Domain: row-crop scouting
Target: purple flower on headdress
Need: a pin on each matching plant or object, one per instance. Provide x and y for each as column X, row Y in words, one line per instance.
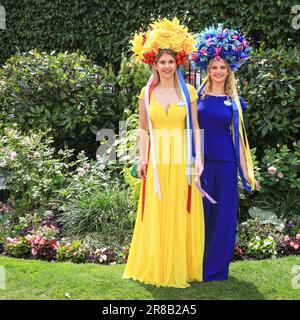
column 217, row 51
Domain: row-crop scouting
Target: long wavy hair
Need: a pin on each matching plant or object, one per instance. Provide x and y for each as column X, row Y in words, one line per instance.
column 156, row 74
column 229, row 85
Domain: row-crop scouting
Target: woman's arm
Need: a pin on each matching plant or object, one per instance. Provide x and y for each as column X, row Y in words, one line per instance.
column 243, row 161
column 142, row 134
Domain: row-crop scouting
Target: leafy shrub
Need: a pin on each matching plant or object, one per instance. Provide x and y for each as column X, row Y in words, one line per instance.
column 280, row 168
column 65, row 93
column 270, row 85
column 86, row 176
column 289, row 245
column 133, row 76
column 104, row 256
column 72, row 251
column 123, row 254
column 262, row 248
column 17, row 247
column 31, row 170
column 278, row 173
column 40, row 244
column 257, row 237
column 44, row 243
column 5, row 221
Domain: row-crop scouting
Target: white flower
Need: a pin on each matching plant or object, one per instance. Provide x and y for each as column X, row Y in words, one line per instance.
column 272, row 170
column 104, row 257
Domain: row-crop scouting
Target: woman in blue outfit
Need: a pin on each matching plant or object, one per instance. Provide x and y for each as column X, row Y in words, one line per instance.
column 226, row 149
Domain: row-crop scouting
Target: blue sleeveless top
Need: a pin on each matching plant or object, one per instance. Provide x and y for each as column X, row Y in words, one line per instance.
column 214, row 116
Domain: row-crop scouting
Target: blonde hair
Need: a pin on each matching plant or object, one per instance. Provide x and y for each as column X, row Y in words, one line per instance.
column 229, row 85
column 156, row 74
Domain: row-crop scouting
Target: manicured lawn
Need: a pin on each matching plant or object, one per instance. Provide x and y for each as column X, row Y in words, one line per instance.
column 29, row 279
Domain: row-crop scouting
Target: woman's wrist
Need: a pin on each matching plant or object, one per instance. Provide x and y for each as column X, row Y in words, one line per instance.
column 198, row 160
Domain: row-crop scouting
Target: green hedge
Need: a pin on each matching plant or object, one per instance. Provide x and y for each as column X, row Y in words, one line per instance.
column 102, row 28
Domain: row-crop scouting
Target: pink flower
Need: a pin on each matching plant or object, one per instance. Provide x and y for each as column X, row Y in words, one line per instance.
column 286, row 238
column 10, row 239
column 13, row 155
column 280, row 175
column 292, row 244
column 29, row 238
column 81, row 171
column 33, row 251
column 278, row 145
column 42, row 241
column 54, row 247
column 298, row 236
column 272, row 170
column 296, row 246
column 37, row 239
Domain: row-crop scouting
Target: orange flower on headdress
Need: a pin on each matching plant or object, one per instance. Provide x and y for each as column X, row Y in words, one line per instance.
column 163, row 34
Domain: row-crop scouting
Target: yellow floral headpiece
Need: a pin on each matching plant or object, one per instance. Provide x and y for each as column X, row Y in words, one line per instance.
column 163, row 34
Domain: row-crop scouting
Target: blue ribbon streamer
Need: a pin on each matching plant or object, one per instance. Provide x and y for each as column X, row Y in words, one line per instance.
column 237, row 143
column 187, row 96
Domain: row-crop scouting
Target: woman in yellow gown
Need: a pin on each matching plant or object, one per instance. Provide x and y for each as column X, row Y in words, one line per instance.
column 168, row 240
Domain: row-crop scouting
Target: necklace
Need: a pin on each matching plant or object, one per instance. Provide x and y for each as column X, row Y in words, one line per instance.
column 217, row 95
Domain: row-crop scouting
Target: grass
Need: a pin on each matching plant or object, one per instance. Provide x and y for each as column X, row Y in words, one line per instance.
column 39, row 280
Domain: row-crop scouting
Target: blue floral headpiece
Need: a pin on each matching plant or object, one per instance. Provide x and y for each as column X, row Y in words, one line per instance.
column 221, row 43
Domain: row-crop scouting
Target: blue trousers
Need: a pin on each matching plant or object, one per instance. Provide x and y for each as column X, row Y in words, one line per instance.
column 219, row 179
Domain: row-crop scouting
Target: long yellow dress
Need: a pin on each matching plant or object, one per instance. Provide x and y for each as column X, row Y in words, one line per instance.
column 168, row 243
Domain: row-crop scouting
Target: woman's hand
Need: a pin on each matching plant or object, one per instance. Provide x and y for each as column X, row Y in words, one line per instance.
column 256, row 184
column 141, row 170
column 198, row 167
